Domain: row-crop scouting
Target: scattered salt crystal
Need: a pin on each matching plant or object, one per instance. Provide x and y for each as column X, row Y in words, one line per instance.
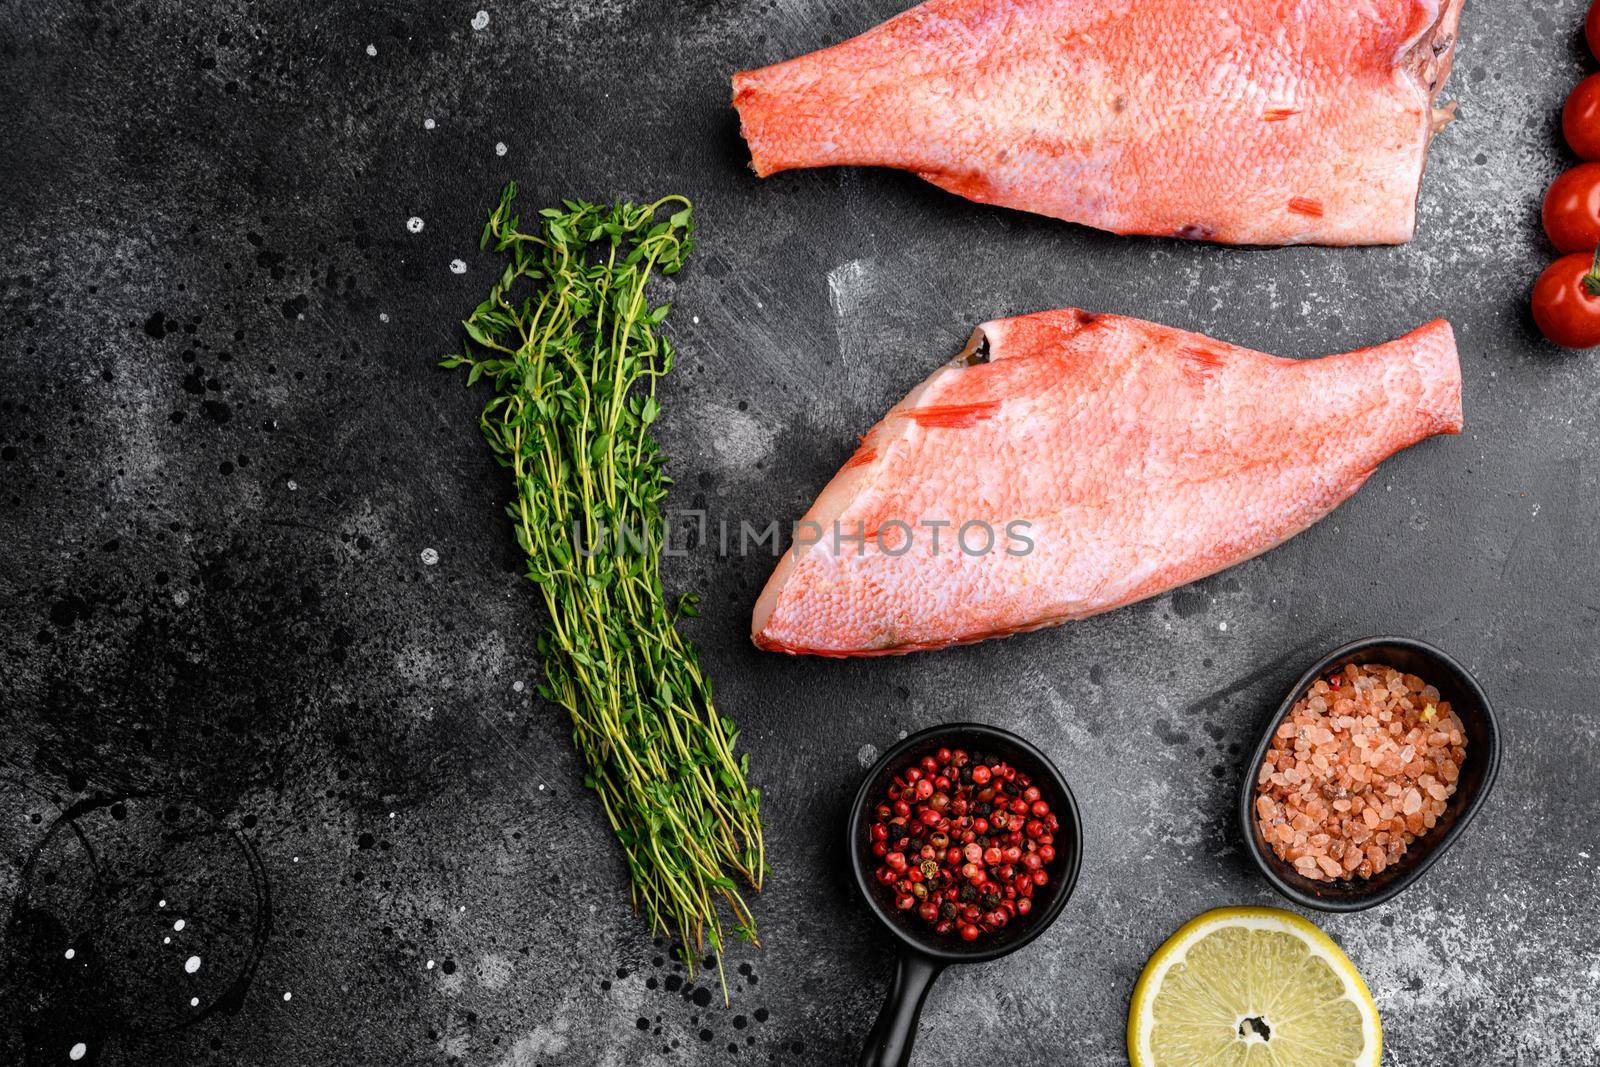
column 372, row 49
column 500, row 148
column 480, row 21
column 192, row 964
column 428, row 124
column 458, row 266
column 414, row 224
column 71, row 952
column 429, row 556
column 78, row 1051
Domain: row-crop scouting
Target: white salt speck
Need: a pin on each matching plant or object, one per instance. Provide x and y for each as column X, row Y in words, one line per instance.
column 71, row 952
column 866, row 754
column 429, row 556
column 480, row 21
column 391, row 815
column 1222, row 625
column 287, row 994
column 372, row 49
column 79, row 1051
column 297, row 859
column 161, row 903
column 428, row 124
column 695, row 319
column 458, row 266
column 293, row 485
column 178, row 925
column 180, row 597
column 518, row 686
column 462, row 908
column 383, row 316
column 194, row 1002
column 499, row 148
column 414, row 224
column 541, row 787
column 1581, row 856
column 166, row 940
column 430, row 965
column 192, row 964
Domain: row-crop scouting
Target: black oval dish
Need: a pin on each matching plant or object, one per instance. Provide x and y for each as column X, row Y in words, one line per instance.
column 923, row 954
column 1471, row 705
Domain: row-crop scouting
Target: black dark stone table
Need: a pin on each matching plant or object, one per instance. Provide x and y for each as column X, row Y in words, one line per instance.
column 265, row 654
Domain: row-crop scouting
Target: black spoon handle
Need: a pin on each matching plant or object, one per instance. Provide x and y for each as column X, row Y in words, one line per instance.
column 889, row 1044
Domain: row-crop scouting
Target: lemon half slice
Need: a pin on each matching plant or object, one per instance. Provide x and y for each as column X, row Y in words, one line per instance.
column 1252, row 986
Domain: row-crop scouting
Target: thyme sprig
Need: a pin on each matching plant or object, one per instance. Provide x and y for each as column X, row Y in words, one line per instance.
column 574, row 349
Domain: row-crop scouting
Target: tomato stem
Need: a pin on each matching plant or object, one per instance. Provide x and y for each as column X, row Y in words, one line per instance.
column 1591, row 280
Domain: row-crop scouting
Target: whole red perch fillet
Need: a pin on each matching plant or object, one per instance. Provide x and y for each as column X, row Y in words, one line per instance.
column 1264, row 122
column 1140, row 456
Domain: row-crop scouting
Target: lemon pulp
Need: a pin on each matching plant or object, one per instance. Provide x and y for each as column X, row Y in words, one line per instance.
column 1252, row 986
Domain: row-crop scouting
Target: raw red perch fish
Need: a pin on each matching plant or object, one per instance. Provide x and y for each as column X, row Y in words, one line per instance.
column 1262, row 122
column 1143, row 457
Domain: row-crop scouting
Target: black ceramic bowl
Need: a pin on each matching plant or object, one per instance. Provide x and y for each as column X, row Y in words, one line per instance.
column 1471, row 705
column 922, row 953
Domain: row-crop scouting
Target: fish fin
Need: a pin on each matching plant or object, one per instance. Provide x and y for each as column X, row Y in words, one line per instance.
column 1201, row 364
column 971, row 185
column 952, row 416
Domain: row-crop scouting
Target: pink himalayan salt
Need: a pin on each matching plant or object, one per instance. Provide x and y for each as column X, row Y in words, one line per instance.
column 1363, row 764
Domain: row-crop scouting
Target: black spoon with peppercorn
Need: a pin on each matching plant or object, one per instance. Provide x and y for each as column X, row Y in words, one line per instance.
column 966, row 843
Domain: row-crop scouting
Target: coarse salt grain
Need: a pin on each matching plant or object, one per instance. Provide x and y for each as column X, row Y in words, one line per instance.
column 1362, row 766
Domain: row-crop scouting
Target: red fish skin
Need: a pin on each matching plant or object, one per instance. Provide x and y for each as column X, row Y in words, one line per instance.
column 1144, row 457
column 1260, row 122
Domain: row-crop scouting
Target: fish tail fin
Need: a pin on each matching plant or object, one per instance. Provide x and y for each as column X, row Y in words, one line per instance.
column 854, row 104
column 792, row 117
column 1420, row 378
column 1433, row 355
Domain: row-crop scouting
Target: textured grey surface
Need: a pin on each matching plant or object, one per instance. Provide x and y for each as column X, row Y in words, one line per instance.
column 224, row 448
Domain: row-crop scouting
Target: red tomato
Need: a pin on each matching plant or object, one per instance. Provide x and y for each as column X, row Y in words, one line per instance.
column 1591, row 28
column 1565, row 306
column 1580, row 118
column 1572, row 209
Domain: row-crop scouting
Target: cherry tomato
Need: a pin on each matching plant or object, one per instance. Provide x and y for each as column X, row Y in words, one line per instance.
column 1580, row 118
column 1591, row 28
column 1566, row 301
column 1572, row 209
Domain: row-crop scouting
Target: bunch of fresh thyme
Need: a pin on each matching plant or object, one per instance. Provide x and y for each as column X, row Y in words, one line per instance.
column 566, row 336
